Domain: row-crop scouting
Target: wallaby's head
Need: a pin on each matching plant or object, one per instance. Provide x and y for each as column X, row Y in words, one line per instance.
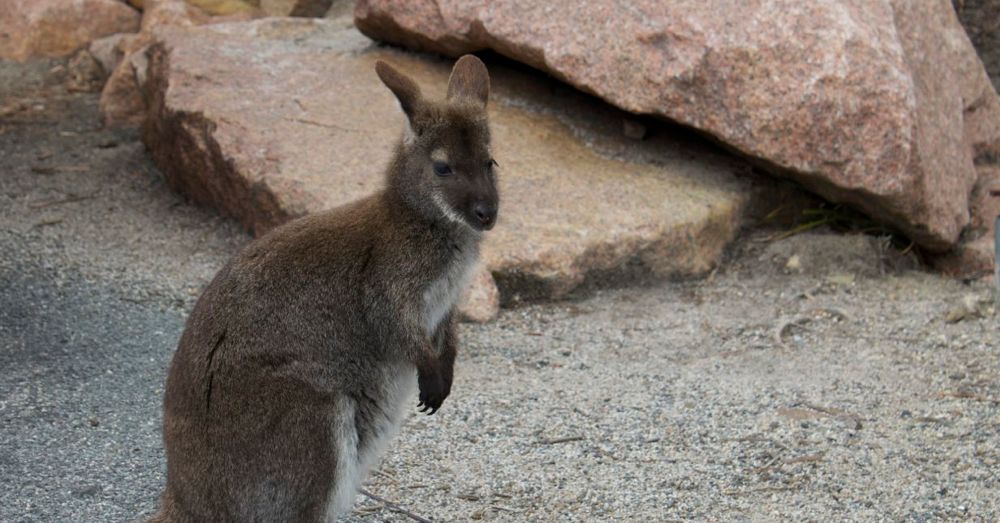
column 444, row 168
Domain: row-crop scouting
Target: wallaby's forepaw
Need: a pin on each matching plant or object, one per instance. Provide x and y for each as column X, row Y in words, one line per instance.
column 433, row 391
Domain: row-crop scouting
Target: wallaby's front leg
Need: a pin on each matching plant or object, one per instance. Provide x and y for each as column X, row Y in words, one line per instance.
column 447, row 352
column 436, row 376
column 431, row 380
column 412, row 341
column 430, row 375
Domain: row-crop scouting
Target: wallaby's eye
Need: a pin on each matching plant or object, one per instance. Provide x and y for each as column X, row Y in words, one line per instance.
column 442, row 169
column 492, row 163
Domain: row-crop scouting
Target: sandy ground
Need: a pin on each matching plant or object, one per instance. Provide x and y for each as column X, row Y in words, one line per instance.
column 837, row 391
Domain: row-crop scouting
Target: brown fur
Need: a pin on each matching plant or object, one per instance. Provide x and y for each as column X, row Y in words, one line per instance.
column 315, row 315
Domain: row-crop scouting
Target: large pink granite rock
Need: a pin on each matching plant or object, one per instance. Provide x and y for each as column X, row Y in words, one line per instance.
column 975, row 256
column 51, row 28
column 276, row 118
column 121, row 101
column 862, row 101
column 981, row 19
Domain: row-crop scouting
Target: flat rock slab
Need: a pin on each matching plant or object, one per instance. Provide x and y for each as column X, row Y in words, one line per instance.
column 276, row 118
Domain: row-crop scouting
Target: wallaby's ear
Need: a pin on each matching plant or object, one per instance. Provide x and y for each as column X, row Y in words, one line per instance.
column 469, row 82
column 406, row 90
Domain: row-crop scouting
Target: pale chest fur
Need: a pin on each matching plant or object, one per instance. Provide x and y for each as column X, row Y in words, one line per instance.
column 444, row 291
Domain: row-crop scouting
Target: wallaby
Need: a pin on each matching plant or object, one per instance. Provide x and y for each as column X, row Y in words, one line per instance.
column 293, row 370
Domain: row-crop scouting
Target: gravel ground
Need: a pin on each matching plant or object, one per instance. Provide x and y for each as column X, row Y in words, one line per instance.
column 836, row 391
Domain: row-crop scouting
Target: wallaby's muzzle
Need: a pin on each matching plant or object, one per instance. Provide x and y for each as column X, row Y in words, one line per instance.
column 485, row 215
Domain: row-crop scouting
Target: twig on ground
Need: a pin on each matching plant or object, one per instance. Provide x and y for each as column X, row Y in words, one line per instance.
column 800, row 321
column 766, row 488
column 68, row 199
column 608, row 454
column 777, row 462
column 810, row 293
column 967, row 395
column 874, row 338
column 824, row 410
column 46, row 223
column 779, row 332
column 842, row 415
column 932, row 419
column 554, row 441
column 53, row 169
column 770, row 464
column 758, row 438
column 807, row 226
column 807, row 458
column 396, row 508
column 384, row 474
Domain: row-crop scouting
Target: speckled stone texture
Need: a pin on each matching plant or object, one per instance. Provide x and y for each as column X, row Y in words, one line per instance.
column 303, row 8
column 122, row 103
column 976, row 255
column 50, row 28
column 981, row 19
column 276, row 118
column 862, row 101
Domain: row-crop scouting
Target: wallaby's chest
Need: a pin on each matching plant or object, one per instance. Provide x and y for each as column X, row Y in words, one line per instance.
column 445, row 289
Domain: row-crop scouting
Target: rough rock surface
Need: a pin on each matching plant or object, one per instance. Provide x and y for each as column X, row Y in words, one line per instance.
column 106, row 50
column 277, row 118
column 481, row 301
column 85, row 73
column 122, row 103
column 976, row 254
column 302, row 8
column 862, row 101
column 981, row 19
column 49, row 28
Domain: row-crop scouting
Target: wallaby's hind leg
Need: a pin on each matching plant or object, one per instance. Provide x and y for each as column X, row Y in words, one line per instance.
column 364, row 427
column 262, row 466
column 347, row 478
column 295, row 474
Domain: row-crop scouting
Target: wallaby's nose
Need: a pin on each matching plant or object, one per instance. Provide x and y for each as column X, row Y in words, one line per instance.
column 485, row 213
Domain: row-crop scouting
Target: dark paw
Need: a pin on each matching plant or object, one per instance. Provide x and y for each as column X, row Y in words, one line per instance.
column 433, row 391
